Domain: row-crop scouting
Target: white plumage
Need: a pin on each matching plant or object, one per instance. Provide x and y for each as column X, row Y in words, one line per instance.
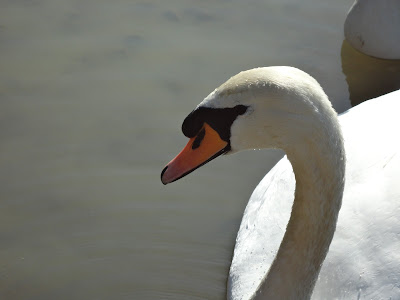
column 363, row 261
column 312, row 211
column 373, row 27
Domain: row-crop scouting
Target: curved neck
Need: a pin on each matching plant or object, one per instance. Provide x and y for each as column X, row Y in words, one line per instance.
column 319, row 167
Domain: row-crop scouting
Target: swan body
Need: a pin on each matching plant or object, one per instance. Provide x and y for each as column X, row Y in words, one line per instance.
column 363, row 261
column 290, row 220
column 373, row 27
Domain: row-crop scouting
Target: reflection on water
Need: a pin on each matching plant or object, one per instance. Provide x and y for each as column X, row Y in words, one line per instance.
column 92, row 97
column 368, row 77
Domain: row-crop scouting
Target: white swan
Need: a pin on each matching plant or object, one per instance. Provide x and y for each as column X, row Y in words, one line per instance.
column 373, row 27
column 283, row 107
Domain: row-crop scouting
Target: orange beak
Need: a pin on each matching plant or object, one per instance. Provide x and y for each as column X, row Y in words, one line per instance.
column 202, row 148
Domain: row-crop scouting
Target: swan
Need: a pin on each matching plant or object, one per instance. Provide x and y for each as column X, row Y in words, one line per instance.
column 289, row 223
column 373, row 27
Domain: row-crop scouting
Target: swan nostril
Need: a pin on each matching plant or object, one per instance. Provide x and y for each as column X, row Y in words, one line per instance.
column 199, row 138
column 162, row 173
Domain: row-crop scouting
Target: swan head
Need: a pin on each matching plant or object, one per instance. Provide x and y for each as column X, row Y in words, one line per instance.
column 272, row 107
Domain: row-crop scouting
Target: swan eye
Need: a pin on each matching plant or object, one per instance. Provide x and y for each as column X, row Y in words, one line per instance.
column 199, row 138
column 241, row 109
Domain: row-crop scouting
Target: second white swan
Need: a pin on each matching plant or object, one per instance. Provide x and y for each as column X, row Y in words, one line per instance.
column 373, row 27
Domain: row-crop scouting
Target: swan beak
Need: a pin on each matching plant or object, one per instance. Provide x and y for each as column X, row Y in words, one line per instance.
column 202, row 148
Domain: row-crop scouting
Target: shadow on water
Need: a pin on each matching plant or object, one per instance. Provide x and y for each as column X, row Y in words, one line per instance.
column 368, row 77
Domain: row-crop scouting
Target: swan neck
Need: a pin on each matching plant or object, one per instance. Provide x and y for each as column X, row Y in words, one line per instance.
column 318, row 166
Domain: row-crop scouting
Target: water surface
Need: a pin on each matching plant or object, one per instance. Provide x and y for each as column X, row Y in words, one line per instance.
column 92, row 96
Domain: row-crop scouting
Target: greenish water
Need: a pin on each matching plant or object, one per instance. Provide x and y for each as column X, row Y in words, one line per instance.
column 92, row 97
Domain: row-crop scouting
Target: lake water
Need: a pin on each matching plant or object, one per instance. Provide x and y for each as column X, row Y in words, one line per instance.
column 92, row 97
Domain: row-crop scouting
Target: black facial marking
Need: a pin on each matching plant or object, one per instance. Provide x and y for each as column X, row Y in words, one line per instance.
column 198, row 139
column 220, row 119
